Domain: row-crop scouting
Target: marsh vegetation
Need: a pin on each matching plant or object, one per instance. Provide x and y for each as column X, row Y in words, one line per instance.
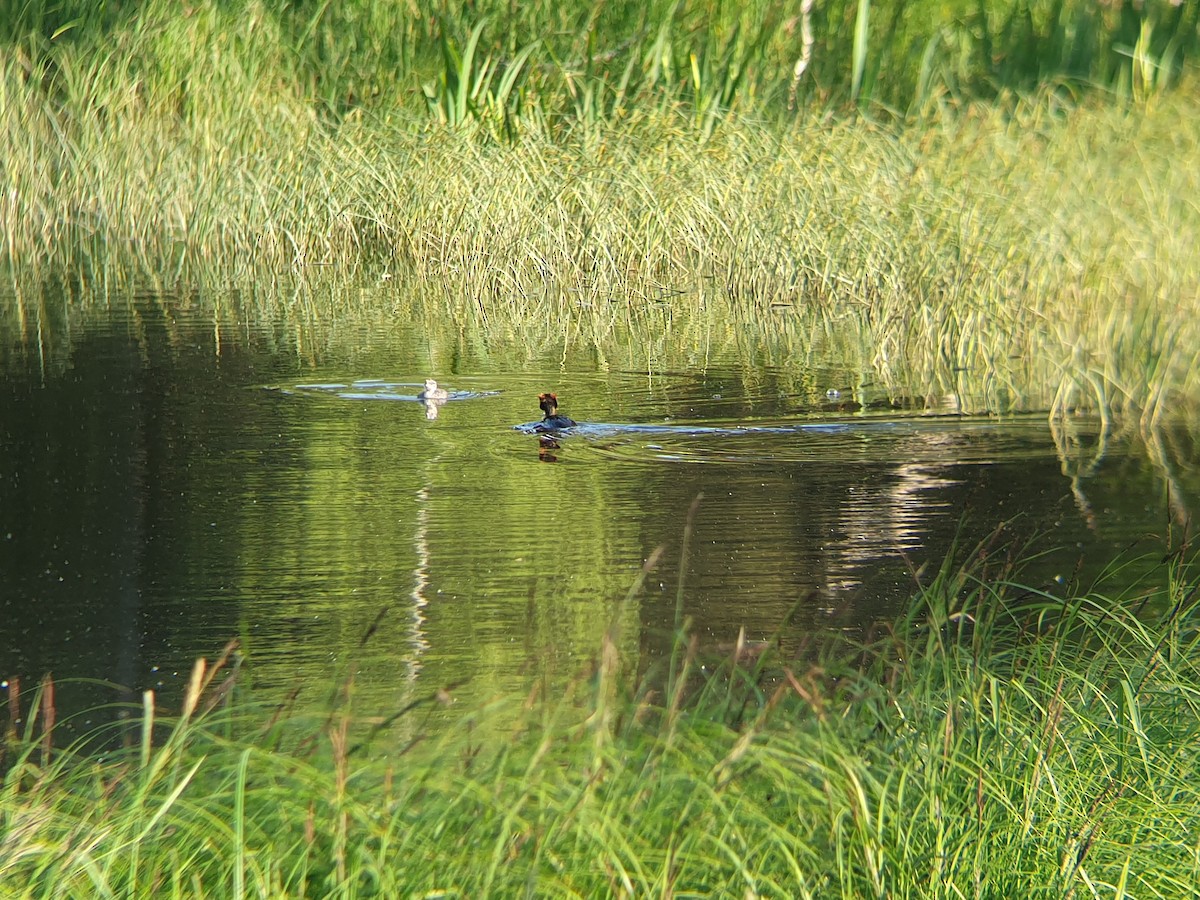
column 1009, row 194
column 994, row 740
column 994, row 204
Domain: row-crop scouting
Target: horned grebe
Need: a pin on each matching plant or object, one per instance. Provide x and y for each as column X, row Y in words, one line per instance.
column 432, row 391
column 552, row 421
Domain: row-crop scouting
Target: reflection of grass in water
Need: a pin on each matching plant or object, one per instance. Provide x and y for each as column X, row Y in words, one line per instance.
column 995, row 735
column 326, row 320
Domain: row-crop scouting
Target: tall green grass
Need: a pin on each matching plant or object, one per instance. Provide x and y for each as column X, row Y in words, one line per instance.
column 709, row 54
column 1045, row 248
column 998, row 740
column 547, row 160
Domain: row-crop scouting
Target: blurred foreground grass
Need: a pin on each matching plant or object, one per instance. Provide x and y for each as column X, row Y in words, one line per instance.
column 997, row 740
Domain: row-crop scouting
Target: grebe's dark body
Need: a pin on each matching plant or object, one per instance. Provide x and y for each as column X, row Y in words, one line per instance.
column 553, row 420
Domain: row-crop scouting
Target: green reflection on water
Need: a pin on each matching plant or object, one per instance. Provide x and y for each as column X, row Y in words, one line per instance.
column 190, row 503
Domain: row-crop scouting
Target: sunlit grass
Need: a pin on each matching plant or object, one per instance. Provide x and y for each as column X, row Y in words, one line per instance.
column 996, row 738
column 587, row 63
column 1035, row 250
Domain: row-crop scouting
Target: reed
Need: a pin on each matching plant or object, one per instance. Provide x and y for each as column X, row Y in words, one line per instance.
column 1037, row 243
column 1040, row 250
column 997, row 737
column 705, row 53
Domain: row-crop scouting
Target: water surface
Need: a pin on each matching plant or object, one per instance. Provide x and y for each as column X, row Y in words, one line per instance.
column 168, row 483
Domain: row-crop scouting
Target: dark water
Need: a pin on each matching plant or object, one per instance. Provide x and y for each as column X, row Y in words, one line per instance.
column 167, row 484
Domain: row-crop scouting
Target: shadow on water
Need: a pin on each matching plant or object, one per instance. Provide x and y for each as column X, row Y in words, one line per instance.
column 156, row 500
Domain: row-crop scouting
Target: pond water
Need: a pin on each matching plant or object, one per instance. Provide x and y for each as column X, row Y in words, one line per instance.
column 170, row 480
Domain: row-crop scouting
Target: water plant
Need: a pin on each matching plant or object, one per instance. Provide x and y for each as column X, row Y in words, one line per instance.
column 378, row 55
column 624, row 154
column 1037, row 246
column 998, row 738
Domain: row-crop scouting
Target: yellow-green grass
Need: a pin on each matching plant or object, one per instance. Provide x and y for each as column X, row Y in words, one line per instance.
column 1037, row 245
column 996, row 741
column 1047, row 252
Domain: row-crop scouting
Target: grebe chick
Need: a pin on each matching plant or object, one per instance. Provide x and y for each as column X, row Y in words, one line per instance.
column 552, row 421
column 432, row 391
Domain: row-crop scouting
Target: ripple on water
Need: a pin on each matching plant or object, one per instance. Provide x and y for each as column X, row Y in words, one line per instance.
column 913, row 440
column 379, row 389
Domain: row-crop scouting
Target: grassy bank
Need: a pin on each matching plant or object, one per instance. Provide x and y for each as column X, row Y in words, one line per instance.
column 1036, row 251
column 1042, row 242
column 998, row 741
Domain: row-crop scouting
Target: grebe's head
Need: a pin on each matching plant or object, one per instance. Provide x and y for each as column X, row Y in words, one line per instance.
column 548, row 403
column 430, row 385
